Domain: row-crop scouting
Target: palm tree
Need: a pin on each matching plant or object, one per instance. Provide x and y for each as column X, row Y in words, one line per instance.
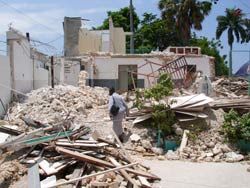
column 235, row 25
column 185, row 14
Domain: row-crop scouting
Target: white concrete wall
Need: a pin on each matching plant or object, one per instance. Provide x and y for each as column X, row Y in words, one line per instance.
column 22, row 62
column 41, row 78
column 4, row 80
column 58, row 71
column 71, row 77
column 202, row 64
column 107, row 67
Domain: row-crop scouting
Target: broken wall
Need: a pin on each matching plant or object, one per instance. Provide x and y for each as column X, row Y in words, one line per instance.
column 5, row 82
column 89, row 41
column 107, row 68
column 71, row 35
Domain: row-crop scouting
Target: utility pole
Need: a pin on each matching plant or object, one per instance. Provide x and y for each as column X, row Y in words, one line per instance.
column 52, row 71
column 131, row 27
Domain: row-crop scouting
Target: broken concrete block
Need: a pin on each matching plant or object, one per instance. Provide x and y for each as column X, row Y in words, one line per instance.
column 146, row 144
column 233, row 157
column 158, row 151
column 135, row 137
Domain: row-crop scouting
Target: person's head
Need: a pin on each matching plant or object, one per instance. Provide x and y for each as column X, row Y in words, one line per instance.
column 111, row 91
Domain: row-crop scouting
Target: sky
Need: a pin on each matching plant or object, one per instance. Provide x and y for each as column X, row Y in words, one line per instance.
column 43, row 20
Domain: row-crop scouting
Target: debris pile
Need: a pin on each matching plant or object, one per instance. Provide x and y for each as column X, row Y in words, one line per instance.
column 51, row 106
column 54, row 139
column 231, row 87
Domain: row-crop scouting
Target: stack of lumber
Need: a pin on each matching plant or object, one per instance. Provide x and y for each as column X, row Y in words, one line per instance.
column 60, row 155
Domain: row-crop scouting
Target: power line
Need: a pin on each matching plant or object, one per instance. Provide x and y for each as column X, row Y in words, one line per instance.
column 20, row 12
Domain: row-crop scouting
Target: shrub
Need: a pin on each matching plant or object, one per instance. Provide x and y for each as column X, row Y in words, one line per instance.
column 236, row 127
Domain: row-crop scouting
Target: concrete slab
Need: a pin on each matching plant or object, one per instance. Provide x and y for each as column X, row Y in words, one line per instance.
column 179, row 174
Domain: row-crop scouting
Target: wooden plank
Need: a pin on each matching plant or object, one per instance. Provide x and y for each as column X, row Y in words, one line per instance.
column 144, row 174
column 33, row 177
column 184, row 140
column 144, row 182
column 123, row 172
column 77, row 174
column 122, row 147
column 47, row 168
column 93, row 175
column 78, row 141
column 74, row 144
column 83, row 157
column 10, row 131
column 142, row 118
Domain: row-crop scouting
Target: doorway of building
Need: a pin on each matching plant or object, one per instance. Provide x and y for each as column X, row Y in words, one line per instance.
column 125, row 79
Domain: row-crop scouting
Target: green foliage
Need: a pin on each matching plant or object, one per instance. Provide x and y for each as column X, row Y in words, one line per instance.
column 193, row 134
column 120, row 18
column 236, row 127
column 163, row 88
column 163, row 118
column 154, row 34
column 234, row 24
column 211, row 48
column 138, row 99
column 185, row 15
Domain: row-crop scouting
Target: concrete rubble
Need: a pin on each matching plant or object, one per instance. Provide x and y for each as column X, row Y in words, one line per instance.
column 55, row 128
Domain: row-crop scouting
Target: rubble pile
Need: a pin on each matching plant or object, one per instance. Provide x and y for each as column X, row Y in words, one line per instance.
column 51, row 106
column 231, row 87
column 52, row 128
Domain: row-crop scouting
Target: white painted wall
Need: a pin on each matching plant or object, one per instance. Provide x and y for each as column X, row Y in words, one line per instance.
column 71, row 77
column 22, row 62
column 41, row 78
column 107, row 67
column 58, row 71
column 4, row 80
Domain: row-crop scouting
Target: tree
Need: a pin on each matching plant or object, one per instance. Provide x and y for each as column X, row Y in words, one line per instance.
column 235, row 25
column 211, row 48
column 120, row 19
column 153, row 34
column 185, row 14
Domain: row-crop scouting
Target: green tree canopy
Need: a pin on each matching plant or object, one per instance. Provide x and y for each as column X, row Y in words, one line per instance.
column 120, row 19
column 185, row 14
column 154, row 33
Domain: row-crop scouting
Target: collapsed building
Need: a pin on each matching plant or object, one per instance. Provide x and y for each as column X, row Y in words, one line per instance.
column 103, row 55
column 57, row 127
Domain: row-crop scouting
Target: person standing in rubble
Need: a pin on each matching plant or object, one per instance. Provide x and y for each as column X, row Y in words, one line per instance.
column 123, row 110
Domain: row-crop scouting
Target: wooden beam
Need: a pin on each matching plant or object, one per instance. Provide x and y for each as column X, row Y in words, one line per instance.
column 83, row 157
column 184, row 140
column 93, row 175
column 123, row 172
column 144, row 182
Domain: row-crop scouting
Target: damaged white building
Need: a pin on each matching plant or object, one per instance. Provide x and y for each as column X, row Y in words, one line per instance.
column 102, row 54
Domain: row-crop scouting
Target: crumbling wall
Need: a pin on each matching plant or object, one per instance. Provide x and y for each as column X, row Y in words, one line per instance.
column 71, row 35
column 89, row 41
column 202, row 63
column 4, row 82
